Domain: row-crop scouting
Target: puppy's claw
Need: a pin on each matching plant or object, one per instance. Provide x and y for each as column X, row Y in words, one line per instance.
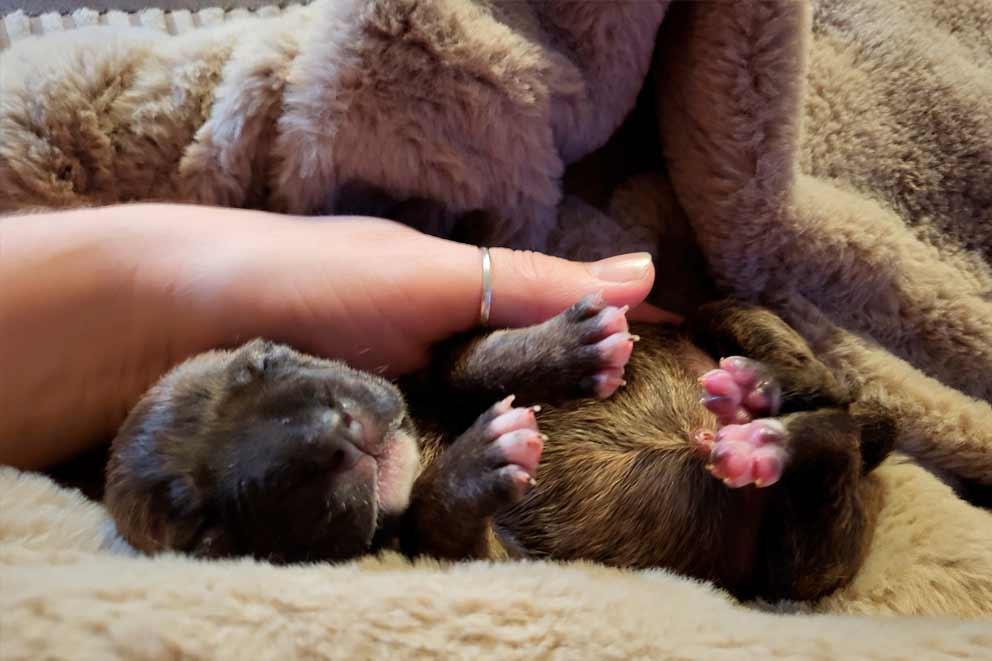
column 504, row 405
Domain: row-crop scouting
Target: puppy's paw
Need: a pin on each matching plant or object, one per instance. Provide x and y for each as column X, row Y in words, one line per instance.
column 753, row 453
column 597, row 338
column 740, row 390
column 493, row 464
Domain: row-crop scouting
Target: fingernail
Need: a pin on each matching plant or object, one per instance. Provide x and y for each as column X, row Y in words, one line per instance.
column 622, row 268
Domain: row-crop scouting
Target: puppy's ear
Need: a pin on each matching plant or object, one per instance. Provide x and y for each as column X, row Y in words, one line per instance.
column 153, row 516
column 155, row 509
column 181, row 521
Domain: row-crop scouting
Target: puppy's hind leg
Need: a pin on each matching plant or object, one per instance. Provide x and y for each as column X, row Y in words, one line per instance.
column 818, row 506
column 821, row 516
column 774, row 351
column 790, row 428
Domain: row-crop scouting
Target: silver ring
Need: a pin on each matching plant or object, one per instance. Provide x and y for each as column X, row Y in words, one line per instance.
column 487, row 287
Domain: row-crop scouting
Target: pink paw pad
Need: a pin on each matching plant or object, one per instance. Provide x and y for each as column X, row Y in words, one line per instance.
column 739, row 391
column 752, row 453
column 518, row 441
column 610, row 338
column 614, row 353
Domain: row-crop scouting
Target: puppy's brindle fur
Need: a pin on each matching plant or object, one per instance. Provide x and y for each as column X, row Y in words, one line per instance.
column 223, row 458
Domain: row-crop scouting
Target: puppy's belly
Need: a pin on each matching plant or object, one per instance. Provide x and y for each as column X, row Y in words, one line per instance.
column 622, row 481
column 696, row 361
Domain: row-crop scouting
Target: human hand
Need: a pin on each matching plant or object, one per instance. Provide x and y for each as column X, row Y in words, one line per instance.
column 98, row 303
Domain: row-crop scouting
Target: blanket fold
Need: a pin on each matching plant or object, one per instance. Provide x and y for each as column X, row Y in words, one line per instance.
column 791, row 178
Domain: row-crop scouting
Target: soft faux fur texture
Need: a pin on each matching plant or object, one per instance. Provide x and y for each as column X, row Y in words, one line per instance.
column 834, row 161
column 479, row 105
column 68, row 595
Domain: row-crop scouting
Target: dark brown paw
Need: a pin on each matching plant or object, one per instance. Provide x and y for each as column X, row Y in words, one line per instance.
column 493, row 464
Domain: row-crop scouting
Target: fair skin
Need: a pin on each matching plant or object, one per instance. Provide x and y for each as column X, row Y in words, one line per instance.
column 96, row 304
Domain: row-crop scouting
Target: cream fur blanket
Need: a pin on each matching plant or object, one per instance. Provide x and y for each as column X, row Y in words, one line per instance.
column 834, row 161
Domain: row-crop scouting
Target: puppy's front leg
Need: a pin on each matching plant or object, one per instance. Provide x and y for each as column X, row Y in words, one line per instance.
column 579, row 353
column 487, row 469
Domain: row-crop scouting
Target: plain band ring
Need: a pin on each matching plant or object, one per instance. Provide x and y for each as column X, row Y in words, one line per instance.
column 487, row 287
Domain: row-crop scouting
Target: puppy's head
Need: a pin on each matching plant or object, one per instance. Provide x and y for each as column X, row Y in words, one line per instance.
column 262, row 451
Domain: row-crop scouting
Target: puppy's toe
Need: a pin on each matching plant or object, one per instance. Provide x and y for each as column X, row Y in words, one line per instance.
column 753, row 453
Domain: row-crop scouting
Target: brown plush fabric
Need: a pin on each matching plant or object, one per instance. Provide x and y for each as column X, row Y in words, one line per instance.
column 472, row 104
column 837, row 166
column 848, row 182
column 833, row 161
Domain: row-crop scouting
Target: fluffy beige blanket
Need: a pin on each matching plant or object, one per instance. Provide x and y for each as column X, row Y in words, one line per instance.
column 834, row 162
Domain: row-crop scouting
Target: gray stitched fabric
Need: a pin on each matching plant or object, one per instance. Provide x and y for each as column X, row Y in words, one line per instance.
column 38, row 7
column 26, row 18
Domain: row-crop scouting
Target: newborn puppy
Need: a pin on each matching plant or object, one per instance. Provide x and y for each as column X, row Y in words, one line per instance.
column 762, row 487
column 267, row 452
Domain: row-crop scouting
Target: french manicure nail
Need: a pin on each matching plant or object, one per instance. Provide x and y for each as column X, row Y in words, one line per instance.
column 622, row 268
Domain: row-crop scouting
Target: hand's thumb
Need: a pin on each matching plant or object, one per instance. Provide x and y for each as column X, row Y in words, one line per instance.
column 530, row 287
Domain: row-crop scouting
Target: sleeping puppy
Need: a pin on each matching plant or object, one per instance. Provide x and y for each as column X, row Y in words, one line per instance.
column 763, row 487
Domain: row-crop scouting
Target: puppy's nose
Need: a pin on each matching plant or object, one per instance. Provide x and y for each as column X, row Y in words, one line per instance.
column 339, row 422
column 340, row 442
column 342, row 455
